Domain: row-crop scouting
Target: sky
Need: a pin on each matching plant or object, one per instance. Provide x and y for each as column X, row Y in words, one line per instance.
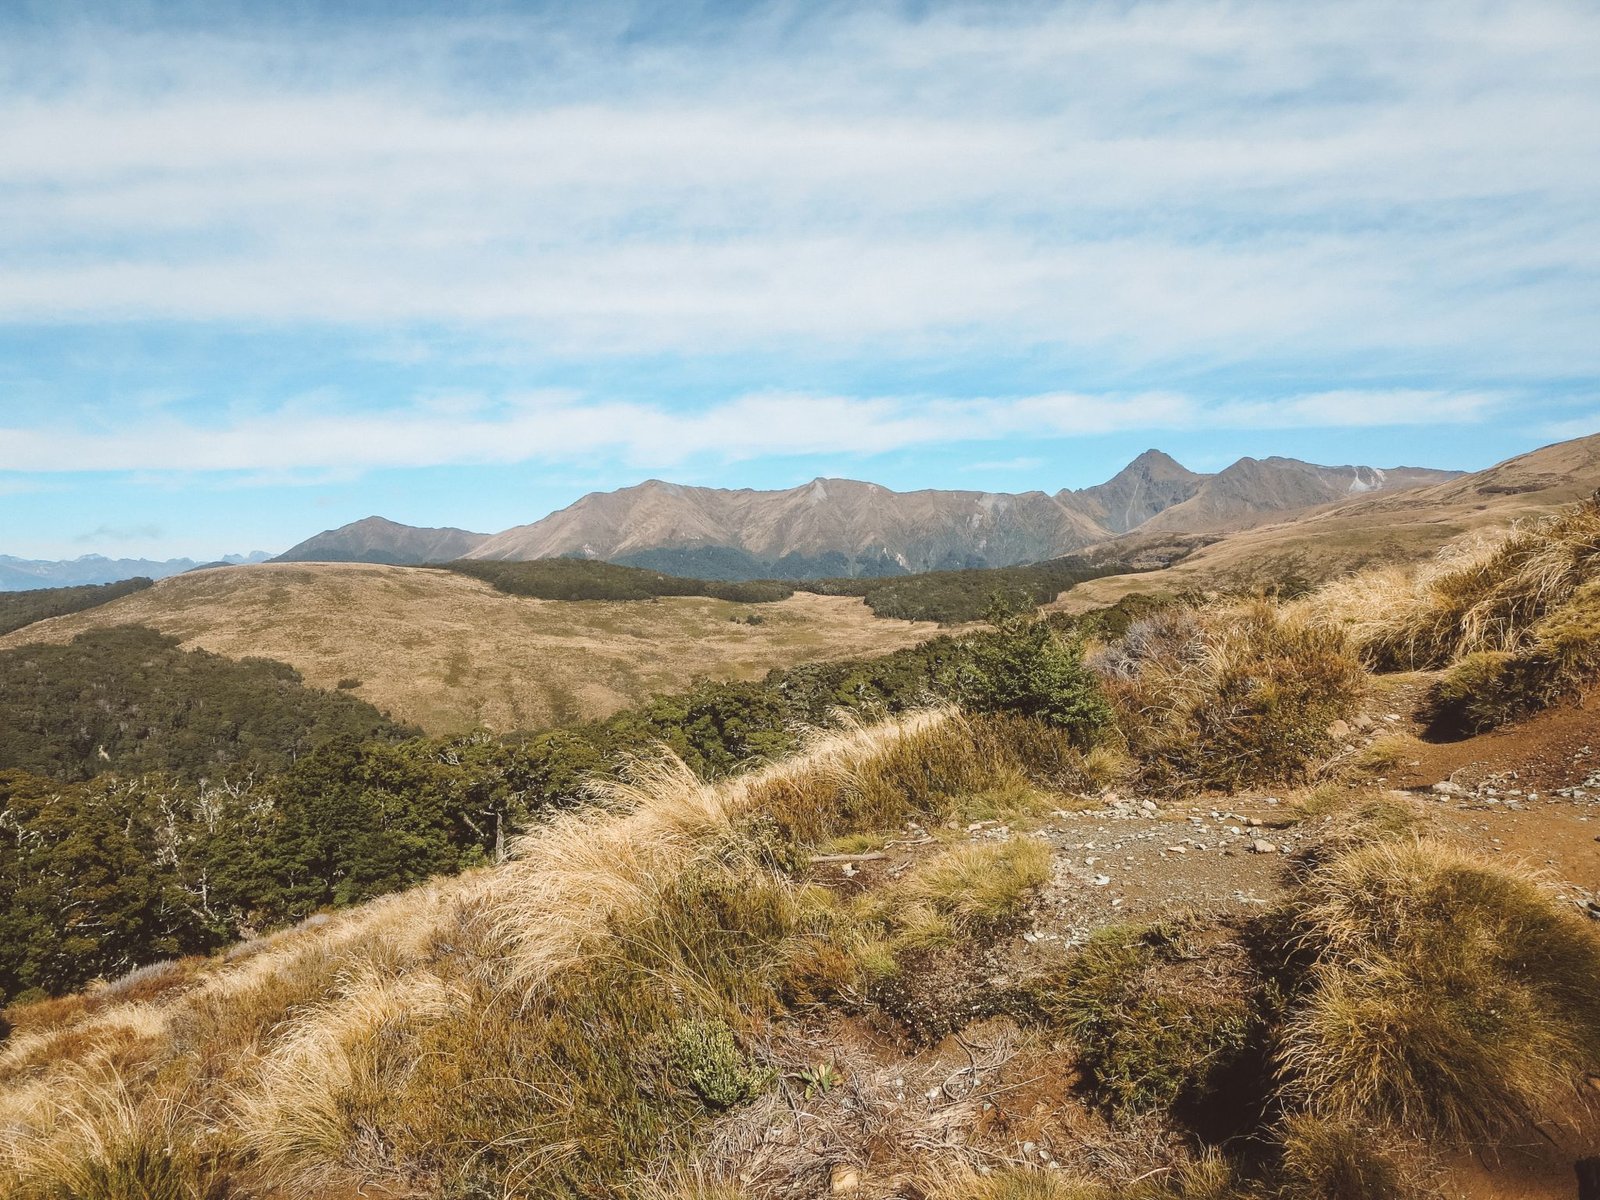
column 267, row 268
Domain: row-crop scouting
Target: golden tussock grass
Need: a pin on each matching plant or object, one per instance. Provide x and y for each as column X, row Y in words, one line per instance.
column 547, row 1026
column 1205, row 1178
column 448, row 653
column 1446, row 998
column 1480, row 595
column 1228, row 696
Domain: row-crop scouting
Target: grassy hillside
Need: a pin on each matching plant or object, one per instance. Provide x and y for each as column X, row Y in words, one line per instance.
column 1386, row 529
column 1137, row 917
column 818, row 979
column 24, row 608
column 446, row 652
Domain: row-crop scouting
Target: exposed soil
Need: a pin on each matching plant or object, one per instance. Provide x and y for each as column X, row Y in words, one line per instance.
column 1530, row 793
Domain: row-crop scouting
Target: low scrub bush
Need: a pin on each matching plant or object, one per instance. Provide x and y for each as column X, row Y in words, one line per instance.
column 1156, row 1025
column 1444, row 998
column 1226, row 698
column 1029, row 670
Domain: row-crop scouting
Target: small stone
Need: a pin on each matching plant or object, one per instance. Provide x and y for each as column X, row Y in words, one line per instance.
column 1445, row 788
column 1364, row 723
column 1176, row 850
column 1101, row 880
column 1148, row 805
column 1339, row 730
column 1262, row 846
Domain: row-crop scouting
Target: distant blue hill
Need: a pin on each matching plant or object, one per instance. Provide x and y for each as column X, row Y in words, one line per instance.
column 26, row 574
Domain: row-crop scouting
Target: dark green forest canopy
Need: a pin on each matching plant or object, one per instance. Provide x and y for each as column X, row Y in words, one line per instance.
column 956, row 597
column 128, row 699
column 24, row 608
column 947, row 597
column 587, row 579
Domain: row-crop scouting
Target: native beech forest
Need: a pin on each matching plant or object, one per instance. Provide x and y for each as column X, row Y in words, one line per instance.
column 947, row 597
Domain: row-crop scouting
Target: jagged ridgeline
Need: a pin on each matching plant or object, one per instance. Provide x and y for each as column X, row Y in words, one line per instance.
column 128, row 698
column 948, row 597
column 18, row 609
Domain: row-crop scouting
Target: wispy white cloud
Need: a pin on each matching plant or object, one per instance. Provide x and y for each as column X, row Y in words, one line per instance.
column 1150, row 182
column 295, row 444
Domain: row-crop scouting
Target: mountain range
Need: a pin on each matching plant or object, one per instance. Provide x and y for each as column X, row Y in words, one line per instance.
column 26, row 574
column 844, row 527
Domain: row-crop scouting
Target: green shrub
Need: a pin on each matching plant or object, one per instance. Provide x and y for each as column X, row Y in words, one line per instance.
column 706, row 1058
column 1153, row 1030
column 1029, row 669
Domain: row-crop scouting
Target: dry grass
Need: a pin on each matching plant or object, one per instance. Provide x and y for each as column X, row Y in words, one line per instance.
column 1446, row 998
column 541, row 1028
column 447, row 652
column 1481, row 595
column 1208, row 1178
column 1330, row 1160
column 1228, row 696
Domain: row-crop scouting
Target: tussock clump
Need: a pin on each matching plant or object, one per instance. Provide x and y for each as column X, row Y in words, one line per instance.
column 1228, row 697
column 1560, row 660
column 1207, row 1178
column 1331, row 1160
column 1476, row 598
column 1445, row 998
column 912, row 947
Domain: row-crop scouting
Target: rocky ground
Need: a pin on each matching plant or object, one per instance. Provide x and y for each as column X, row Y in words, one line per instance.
column 1530, row 794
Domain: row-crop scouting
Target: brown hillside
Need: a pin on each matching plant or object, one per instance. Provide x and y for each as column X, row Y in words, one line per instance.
column 447, row 652
column 1368, row 530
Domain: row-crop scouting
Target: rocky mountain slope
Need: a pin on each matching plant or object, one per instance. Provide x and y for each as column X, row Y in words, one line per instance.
column 377, row 540
column 1371, row 528
column 826, row 527
column 844, row 527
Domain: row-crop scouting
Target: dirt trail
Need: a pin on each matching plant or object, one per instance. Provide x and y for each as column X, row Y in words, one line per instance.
column 1530, row 794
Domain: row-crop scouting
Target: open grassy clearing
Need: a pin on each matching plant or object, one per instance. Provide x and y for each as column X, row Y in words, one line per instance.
column 445, row 652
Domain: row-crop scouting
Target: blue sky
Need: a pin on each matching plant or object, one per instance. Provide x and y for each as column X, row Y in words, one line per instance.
column 265, row 269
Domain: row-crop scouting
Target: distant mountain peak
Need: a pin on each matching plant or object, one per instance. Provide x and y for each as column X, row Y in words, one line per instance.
column 377, row 539
column 833, row 526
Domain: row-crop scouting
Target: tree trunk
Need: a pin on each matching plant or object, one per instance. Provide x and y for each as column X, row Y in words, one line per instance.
column 1588, row 1178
